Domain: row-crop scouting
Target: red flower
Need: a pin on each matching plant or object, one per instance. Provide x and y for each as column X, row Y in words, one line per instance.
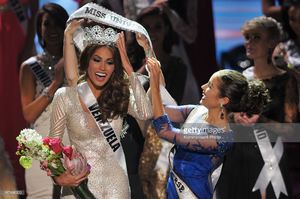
column 55, row 145
column 68, row 151
column 46, row 141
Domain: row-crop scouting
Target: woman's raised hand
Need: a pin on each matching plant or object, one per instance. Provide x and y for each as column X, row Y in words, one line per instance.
column 153, row 66
column 144, row 43
column 72, row 27
column 123, row 53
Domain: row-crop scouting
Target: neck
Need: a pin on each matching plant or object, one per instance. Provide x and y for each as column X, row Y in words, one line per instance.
column 54, row 50
column 262, row 69
column 213, row 117
column 96, row 91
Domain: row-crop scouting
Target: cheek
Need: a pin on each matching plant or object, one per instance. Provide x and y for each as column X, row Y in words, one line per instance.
column 89, row 72
column 91, row 68
column 43, row 30
column 111, row 69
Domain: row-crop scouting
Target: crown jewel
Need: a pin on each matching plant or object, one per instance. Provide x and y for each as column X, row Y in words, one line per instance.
column 98, row 35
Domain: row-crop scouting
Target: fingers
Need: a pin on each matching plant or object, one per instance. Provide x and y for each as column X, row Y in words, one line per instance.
column 153, row 65
column 121, row 41
column 73, row 26
column 79, row 178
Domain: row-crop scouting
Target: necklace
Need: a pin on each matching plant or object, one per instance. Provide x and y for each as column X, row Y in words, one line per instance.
column 48, row 61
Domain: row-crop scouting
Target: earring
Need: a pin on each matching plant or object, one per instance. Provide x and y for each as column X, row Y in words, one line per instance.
column 270, row 53
column 222, row 114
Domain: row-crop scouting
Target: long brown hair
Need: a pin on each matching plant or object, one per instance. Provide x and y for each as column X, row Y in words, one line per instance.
column 114, row 98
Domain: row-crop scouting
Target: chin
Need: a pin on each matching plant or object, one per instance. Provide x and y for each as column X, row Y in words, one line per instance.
column 201, row 102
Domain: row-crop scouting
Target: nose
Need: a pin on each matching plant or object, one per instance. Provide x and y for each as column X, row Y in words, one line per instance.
column 204, row 86
column 248, row 41
column 102, row 65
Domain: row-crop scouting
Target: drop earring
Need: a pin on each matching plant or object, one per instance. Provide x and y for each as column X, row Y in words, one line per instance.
column 222, row 114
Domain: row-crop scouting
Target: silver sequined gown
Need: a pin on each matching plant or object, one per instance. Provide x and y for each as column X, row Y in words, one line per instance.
column 107, row 179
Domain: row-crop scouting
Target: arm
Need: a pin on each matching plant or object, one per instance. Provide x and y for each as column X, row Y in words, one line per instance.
column 71, row 61
column 58, row 122
column 33, row 107
column 139, row 103
column 163, row 125
column 178, row 114
column 58, row 118
column 149, row 52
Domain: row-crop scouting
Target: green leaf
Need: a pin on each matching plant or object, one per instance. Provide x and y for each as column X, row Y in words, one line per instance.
column 25, row 162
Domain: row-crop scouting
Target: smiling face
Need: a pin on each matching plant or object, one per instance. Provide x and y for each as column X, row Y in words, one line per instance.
column 211, row 93
column 100, row 68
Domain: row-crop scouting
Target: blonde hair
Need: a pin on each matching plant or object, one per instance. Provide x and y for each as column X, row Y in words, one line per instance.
column 267, row 24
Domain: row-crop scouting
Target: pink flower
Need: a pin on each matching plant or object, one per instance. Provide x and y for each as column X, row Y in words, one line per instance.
column 55, row 145
column 46, row 141
column 68, row 151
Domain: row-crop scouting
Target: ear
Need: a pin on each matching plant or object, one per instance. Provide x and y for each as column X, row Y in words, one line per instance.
column 224, row 100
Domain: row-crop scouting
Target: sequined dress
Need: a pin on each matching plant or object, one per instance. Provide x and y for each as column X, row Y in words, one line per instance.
column 107, row 179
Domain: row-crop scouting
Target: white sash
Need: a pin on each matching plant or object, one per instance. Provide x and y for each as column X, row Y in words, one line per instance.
column 270, row 171
column 183, row 191
column 111, row 138
column 39, row 72
column 103, row 16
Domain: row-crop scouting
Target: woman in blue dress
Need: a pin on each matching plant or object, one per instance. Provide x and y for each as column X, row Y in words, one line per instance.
column 205, row 135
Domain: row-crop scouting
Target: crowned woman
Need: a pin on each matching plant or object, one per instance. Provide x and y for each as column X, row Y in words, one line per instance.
column 92, row 111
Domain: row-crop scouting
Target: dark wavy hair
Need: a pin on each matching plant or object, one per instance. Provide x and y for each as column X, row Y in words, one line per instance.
column 114, row 98
column 250, row 97
column 57, row 13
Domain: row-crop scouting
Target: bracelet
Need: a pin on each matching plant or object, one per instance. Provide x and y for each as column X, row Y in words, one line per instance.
column 45, row 93
column 161, row 123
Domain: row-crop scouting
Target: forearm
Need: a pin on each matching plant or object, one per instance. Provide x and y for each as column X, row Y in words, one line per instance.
column 139, row 104
column 184, row 138
column 71, row 63
column 158, row 108
column 34, row 109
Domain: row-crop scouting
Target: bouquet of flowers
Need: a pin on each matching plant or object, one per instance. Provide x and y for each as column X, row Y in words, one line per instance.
column 54, row 157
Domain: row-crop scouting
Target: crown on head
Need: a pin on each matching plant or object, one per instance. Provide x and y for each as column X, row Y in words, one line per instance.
column 99, row 35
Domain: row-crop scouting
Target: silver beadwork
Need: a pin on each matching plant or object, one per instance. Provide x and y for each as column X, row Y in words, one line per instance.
column 98, row 35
